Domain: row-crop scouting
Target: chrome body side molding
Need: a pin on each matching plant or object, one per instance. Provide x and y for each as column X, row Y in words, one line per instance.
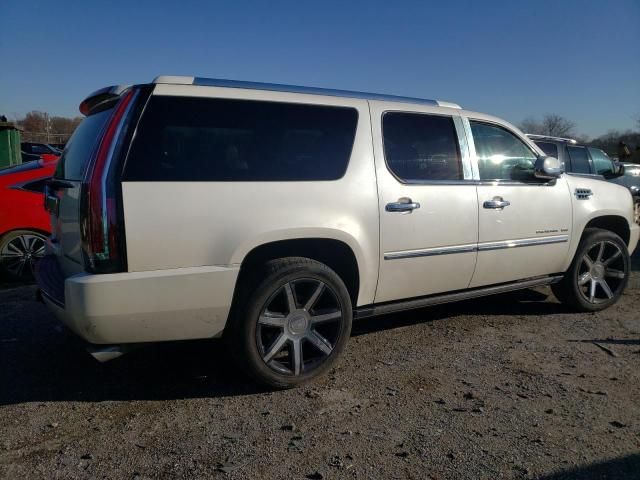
column 480, row 247
column 523, row 242
column 392, row 307
column 428, row 252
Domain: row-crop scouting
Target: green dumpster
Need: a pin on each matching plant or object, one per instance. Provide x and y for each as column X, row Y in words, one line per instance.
column 9, row 144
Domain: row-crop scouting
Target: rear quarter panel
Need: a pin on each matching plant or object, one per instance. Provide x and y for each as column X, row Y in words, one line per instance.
column 189, row 224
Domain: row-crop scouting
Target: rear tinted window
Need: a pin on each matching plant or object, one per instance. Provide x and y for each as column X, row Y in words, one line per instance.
column 80, row 146
column 550, row 149
column 421, row 147
column 579, row 160
column 197, row 139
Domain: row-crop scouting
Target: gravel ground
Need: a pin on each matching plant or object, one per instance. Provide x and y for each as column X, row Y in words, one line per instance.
column 512, row 386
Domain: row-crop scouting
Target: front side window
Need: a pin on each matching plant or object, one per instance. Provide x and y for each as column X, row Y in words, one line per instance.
column 419, row 147
column 601, row 161
column 579, row 160
column 207, row 139
column 501, row 155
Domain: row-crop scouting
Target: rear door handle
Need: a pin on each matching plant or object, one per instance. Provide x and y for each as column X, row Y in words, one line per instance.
column 402, row 205
column 497, row 203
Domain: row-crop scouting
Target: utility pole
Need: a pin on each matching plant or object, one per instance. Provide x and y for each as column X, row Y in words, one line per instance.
column 47, row 125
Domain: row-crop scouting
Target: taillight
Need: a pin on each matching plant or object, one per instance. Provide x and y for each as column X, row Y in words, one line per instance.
column 100, row 227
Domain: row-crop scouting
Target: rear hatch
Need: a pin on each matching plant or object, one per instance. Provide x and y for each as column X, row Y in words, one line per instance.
column 84, row 198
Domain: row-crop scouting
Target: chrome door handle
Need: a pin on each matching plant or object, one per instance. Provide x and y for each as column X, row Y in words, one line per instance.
column 496, row 203
column 402, row 205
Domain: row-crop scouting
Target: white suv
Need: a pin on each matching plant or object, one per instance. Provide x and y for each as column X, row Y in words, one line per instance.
column 273, row 215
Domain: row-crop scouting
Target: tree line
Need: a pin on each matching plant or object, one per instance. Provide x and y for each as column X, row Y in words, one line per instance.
column 40, row 127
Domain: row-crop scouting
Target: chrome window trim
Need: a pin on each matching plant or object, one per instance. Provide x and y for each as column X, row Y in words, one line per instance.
column 480, row 247
column 473, row 156
column 465, row 152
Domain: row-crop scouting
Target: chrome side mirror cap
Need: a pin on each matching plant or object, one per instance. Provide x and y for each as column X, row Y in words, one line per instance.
column 548, row 168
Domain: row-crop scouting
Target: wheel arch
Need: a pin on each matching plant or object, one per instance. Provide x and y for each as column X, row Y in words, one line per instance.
column 336, row 254
column 613, row 223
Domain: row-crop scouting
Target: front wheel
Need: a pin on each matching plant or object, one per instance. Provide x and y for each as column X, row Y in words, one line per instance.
column 598, row 274
column 294, row 325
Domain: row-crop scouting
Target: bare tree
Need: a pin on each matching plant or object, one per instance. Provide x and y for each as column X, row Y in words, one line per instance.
column 551, row 124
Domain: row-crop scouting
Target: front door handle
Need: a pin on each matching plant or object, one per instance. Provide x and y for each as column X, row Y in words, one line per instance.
column 402, row 205
column 497, row 203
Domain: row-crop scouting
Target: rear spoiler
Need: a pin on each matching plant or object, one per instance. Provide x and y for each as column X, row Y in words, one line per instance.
column 101, row 96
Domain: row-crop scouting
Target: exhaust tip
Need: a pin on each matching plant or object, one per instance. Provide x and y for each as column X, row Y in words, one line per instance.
column 104, row 353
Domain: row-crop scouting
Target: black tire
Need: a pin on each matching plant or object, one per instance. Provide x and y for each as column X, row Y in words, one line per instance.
column 575, row 289
column 310, row 330
column 26, row 242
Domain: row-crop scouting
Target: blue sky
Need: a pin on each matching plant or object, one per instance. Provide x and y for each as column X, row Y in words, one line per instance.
column 513, row 59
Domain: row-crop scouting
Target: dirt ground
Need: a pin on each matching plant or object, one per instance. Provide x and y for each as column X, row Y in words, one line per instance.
column 512, row 386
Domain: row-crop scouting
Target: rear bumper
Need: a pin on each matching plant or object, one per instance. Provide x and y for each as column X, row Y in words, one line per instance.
column 134, row 307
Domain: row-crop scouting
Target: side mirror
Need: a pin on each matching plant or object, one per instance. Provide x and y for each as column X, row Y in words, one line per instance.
column 548, row 168
column 617, row 171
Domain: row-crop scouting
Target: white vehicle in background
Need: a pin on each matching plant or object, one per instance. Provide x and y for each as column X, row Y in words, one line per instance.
column 273, row 215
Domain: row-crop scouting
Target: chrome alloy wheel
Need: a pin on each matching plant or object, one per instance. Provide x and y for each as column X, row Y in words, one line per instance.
column 602, row 272
column 19, row 255
column 299, row 326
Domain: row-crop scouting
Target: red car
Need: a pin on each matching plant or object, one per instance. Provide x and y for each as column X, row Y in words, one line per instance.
column 24, row 223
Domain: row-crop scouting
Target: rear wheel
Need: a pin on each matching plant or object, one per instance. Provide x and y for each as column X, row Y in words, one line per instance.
column 598, row 274
column 19, row 252
column 294, row 325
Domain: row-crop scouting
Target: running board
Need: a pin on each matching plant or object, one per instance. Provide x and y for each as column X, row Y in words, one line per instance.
column 385, row 308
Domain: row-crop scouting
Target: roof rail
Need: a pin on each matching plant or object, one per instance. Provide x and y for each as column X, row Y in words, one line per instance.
column 216, row 82
column 533, row 136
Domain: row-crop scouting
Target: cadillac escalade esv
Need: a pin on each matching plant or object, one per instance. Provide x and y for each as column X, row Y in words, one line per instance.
column 273, row 215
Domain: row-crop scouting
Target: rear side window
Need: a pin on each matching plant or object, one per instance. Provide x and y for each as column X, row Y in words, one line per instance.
column 579, row 160
column 421, row 147
column 80, row 146
column 201, row 139
column 550, row 149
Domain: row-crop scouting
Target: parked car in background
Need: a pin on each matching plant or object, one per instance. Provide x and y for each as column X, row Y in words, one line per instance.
column 24, row 223
column 631, row 180
column 586, row 160
column 272, row 215
column 30, row 157
column 46, row 152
